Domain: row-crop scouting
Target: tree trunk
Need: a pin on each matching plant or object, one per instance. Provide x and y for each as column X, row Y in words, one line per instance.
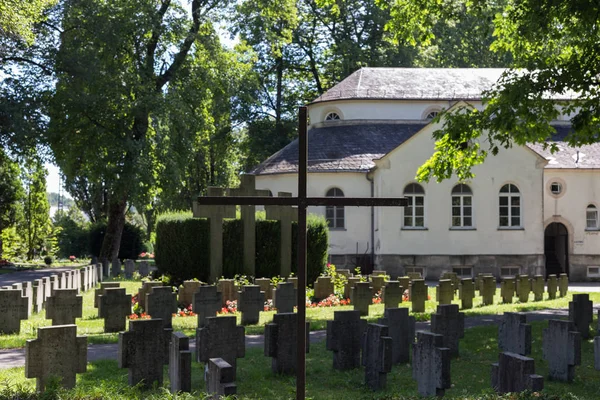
column 114, row 229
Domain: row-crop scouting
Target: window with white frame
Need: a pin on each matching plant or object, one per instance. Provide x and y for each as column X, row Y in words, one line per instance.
column 591, row 217
column 335, row 214
column 332, row 116
column 414, row 212
column 431, row 115
column 462, row 206
column 510, row 206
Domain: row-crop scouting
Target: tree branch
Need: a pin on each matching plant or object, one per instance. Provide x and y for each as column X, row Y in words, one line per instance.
column 47, row 71
column 156, row 32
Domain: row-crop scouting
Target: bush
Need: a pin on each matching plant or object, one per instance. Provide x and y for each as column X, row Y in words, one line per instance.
column 48, row 260
column 132, row 243
column 182, row 247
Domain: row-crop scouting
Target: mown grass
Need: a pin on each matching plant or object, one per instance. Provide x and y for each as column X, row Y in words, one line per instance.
column 470, row 376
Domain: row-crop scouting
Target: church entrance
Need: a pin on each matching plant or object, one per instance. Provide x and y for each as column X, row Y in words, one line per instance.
column 556, row 249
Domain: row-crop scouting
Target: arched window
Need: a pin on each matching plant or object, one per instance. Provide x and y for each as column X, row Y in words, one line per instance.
column 591, row 217
column 335, row 214
column 462, row 206
column 332, row 116
column 414, row 212
column 510, row 206
column 431, row 115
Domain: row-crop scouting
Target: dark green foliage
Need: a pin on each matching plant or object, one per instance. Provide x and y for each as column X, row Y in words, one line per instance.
column 73, row 239
column 48, row 260
column 233, row 238
column 267, row 248
column 132, row 243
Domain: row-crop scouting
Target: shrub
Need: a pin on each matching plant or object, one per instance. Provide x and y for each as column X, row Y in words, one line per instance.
column 132, row 243
column 48, row 260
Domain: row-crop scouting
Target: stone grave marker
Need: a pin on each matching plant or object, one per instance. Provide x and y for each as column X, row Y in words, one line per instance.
column 98, row 274
column 285, row 297
column 48, row 285
column 228, row 289
column 377, row 282
column 323, row 287
column 13, row 309
column 418, row 295
column 488, row 290
column 392, row 294
column 377, row 357
column 129, row 268
column 85, row 283
column 450, row 323
column 562, row 349
column 76, row 280
column 38, row 295
column 378, row 272
column 563, row 285
column 220, row 378
column 362, row 297
column 206, row 303
column 27, row 292
column 57, row 352
column 401, row 328
column 265, row 286
column 103, row 286
column 404, row 282
column 514, row 373
column 444, row 292
column 280, row 342
column 538, row 288
column 431, row 364
column 251, row 302
column 144, row 349
column 55, row 283
column 453, row 276
column 581, row 313
column 293, row 279
column 186, row 292
column 414, row 275
column 514, row 334
column 105, row 267
column 507, row 290
column 114, row 306
column 597, row 353
column 352, row 281
column 523, row 288
column 466, row 293
column 552, row 286
column 161, row 303
column 180, row 363
column 344, row 338
column 285, row 215
column 64, row 306
column 63, row 281
column 144, row 268
column 146, row 288
column 347, row 274
column 115, row 268
column 221, row 338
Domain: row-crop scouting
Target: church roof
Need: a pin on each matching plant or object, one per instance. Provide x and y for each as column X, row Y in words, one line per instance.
column 584, row 157
column 416, row 84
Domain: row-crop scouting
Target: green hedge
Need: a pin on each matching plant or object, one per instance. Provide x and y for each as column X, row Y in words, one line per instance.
column 182, row 247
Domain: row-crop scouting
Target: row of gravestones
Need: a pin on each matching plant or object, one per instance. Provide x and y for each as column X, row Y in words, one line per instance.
column 116, row 268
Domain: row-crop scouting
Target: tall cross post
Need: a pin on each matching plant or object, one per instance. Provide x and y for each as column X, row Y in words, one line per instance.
column 286, row 215
column 302, row 201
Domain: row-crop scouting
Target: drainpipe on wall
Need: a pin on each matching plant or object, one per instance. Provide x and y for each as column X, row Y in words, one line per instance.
column 371, row 179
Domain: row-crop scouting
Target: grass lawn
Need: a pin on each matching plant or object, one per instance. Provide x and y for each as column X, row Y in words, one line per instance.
column 470, row 376
column 93, row 327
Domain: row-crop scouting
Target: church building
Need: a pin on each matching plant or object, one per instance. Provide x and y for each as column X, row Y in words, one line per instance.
column 527, row 211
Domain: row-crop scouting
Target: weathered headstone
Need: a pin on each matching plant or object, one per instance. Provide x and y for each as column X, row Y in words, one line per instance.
column 514, row 373
column 207, row 302
column 115, row 268
column 265, row 286
column 48, row 285
column 418, row 295
column 64, row 306
column 55, row 283
column 377, row 356
column 251, row 302
column 362, row 297
column 344, row 338
column 146, row 288
column 13, row 309
column 280, row 342
column 38, row 295
column 581, row 313
column 293, row 279
column 162, row 303
column 103, row 286
column 444, row 292
column 453, row 276
column 488, row 290
column 114, row 306
column 523, row 288
column 144, row 268
column 323, row 287
column 27, row 292
column 562, row 349
column 129, row 268
column 450, row 323
column 563, row 285
column 180, row 363
column 514, row 334
column 285, row 215
column 537, row 285
column 392, row 294
column 466, row 293
column 57, row 352
column 85, row 282
column 404, row 282
column 347, row 274
column 377, row 282
column 507, row 290
column 285, row 297
column 144, row 349
column 186, row 292
column 401, row 328
column 105, row 267
column 228, row 289
column 63, row 281
column 220, row 378
column 552, row 286
column 414, row 275
column 221, row 338
column 352, row 281
column 431, row 364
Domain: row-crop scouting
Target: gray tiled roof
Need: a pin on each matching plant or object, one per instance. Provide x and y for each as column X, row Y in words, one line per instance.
column 417, row 84
column 566, row 156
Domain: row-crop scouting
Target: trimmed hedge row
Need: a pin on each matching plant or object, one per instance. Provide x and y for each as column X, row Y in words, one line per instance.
column 182, row 247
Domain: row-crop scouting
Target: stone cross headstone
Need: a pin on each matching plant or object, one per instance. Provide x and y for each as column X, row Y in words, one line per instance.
column 552, row 286
column 186, row 292
column 378, row 272
column 28, row 293
column 323, row 287
column 362, row 297
column 228, row 289
column 265, row 286
column 48, row 285
column 215, row 215
column 64, row 306
column 523, row 288
column 581, row 313
column 146, row 288
column 115, row 268
column 162, row 303
column 377, row 357
column 344, row 338
column 144, row 268
column 450, row 323
column 404, row 282
column 401, row 328
column 514, row 373
column 418, row 295
column 105, row 267
column 563, row 285
column 507, row 290
column 293, row 279
column 352, row 281
column 453, row 276
column 13, row 309
column 377, row 282
column 207, row 302
column 285, row 297
column 488, row 290
column 431, row 364
column 129, row 268
column 103, row 286
column 220, row 378
column 514, row 334
column 85, row 279
column 414, row 275
column 280, row 342
column 538, row 287
column 180, row 363
column 286, row 215
column 221, row 338
column 444, row 292
column 38, row 295
column 63, row 281
column 114, row 306
column 347, row 274
column 55, row 283
column 57, row 352
column 392, row 294
column 466, row 293
column 144, row 349
column 251, row 302
column 562, row 349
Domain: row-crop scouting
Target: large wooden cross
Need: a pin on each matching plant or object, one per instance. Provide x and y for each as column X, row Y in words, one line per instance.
column 302, row 201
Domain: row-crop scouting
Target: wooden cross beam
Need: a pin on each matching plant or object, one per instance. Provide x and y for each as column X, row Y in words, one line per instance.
column 302, row 201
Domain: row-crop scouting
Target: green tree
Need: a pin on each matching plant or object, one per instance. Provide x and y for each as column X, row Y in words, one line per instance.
column 18, row 17
column 11, row 193
column 36, row 226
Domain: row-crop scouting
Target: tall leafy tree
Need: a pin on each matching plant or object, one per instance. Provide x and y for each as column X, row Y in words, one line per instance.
column 36, row 226
column 11, row 193
column 17, row 18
